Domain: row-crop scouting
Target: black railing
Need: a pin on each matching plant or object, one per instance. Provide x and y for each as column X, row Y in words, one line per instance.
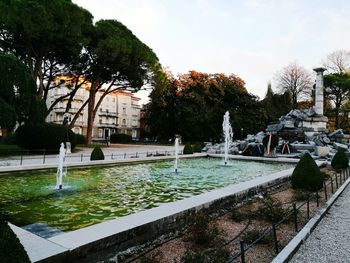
column 293, row 213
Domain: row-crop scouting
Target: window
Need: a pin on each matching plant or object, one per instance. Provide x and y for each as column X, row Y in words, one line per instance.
column 124, row 110
column 100, row 133
column 100, row 121
column 124, row 121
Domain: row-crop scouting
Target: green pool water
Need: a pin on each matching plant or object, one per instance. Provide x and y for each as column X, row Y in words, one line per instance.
column 94, row 195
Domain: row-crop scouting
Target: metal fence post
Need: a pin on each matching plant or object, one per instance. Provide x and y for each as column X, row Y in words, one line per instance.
column 136, row 155
column 124, row 155
column 308, row 207
column 81, row 157
column 336, row 180
column 275, row 237
column 165, row 153
column 295, row 213
column 332, row 185
column 44, row 157
column 340, row 181
column 325, row 191
column 317, row 199
column 242, row 251
column 21, row 158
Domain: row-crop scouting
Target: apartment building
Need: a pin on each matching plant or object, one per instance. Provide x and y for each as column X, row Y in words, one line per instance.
column 119, row 112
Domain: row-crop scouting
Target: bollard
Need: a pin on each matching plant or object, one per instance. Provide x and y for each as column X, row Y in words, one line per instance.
column 275, row 237
column 242, row 251
column 295, row 213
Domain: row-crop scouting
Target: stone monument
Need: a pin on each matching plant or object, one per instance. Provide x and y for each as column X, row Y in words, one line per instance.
column 316, row 122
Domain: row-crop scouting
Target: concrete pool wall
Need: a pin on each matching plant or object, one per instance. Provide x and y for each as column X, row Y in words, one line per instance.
column 105, row 240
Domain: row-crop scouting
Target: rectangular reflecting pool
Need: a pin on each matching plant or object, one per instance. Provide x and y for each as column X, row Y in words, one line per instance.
column 93, row 195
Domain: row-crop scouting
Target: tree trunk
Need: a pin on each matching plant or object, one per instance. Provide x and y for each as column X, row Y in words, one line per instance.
column 91, row 112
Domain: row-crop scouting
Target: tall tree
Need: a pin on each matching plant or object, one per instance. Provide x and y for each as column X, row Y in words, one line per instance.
column 18, row 100
column 47, row 36
column 115, row 59
column 337, row 90
column 338, row 61
column 296, row 80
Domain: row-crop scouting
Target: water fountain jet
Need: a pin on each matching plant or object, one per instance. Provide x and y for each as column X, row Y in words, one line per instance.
column 60, row 169
column 176, row 154
column 228, row 134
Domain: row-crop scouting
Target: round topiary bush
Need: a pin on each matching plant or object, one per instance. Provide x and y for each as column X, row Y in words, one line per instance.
column 46, row 136
column 11, row 250
column 120, row 138
column 307, row 174
column 340, row 160
column 97, row 154
column 197, row 148
column 188, row 149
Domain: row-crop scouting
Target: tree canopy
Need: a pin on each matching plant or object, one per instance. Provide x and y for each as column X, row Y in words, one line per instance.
column 193, row 105
column 18, row 100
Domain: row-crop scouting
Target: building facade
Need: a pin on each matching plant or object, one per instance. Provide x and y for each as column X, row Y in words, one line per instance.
column 119, row 112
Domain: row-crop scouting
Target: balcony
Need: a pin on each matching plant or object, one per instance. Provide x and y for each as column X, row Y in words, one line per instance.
column 107, row 113
column 107, row 125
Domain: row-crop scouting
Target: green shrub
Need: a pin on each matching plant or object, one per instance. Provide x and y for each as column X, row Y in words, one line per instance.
column 80, row 139
column 274, row 141
column 120, row 138
column 340, row 160
column 11, row 250
column 9, row 139
column 46, row 136
column 200, row 232
column 97, row 154
column 271, row 209
column 197, row 148
column 191, row 257
column 218, row 255
column 237, row 215
column 307, row 174
column 250, row 235
column 188, row 149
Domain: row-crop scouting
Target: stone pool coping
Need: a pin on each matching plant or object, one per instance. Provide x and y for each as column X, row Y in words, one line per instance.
column 97, row 239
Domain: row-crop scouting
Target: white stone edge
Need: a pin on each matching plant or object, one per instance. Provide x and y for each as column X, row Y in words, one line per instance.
column 288, row 251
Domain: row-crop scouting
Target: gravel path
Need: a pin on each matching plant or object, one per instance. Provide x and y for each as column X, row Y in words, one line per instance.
column 330, row 240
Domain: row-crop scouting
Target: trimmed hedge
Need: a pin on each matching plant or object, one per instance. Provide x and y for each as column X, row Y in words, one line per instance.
column 340, row 160
column 197, row 148
column 97, row 154
column 120, row 138
column 188, row 149
column 44, row 136
column 307, row 174
column 11, row 250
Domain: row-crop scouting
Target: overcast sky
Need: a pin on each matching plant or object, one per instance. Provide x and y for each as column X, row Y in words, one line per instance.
column 250, row 38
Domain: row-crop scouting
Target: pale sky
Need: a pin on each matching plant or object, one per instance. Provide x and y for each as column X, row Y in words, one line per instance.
column 250, row 38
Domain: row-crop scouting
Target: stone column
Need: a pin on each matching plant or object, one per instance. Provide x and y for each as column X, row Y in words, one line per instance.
column 319, row 91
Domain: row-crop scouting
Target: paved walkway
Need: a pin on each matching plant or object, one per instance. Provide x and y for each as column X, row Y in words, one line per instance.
column 329, row 242
column 114, row 152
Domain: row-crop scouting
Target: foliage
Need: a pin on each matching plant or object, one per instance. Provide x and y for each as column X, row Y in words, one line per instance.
column 48, row 136
column 191, row 257
column 120, row 138
column 237, row 215
column 274, row 141
column 197, row 148
column 9, row 149
column 188, row 149
column 250, row 235
column 307, row 174
column 11, row 250
column 201, row 233
column 97, row 154
column 296, row 80
column 340, row 160
column 18, row 100
column 217, row 255
column 275, row 105
column 176, row 102
column 337, row 88
column 80, row 139
column 271, row 209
